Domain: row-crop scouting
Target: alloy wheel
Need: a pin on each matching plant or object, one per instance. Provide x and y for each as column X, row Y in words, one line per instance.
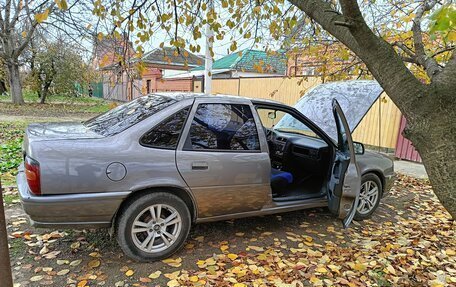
column 156, row 228
column 368, row 197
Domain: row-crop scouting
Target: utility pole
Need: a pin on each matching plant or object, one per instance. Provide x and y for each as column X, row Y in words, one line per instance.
column 6, row 278
column 208, row 56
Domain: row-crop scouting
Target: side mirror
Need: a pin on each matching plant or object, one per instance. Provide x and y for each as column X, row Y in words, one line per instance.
column 272, row 115
column 359, row 147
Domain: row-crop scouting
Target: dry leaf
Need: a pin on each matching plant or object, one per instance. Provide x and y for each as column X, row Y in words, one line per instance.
column 94, row 263
column 155, row 275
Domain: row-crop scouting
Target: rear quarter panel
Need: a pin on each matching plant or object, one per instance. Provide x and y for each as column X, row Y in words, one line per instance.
column 79, row 166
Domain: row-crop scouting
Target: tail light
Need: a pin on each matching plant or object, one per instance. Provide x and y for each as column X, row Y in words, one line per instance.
column 32, row 173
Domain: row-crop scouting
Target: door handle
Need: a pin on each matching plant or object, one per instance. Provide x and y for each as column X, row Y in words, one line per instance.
column 200, row 166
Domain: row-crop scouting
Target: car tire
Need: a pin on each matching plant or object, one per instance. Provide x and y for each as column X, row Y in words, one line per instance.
column 368, row 203
column 146, row 237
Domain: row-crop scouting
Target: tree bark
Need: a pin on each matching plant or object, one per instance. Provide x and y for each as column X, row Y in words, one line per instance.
column 6, row 278
column 432, row 129
column 15, row 83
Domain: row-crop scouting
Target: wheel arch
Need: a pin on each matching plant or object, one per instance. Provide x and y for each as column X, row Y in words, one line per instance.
column 182, row 193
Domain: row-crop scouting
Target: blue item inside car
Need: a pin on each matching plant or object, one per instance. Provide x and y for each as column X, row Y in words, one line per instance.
column 280, row 178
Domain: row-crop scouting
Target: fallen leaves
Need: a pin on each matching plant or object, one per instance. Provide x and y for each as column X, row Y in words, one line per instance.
column 94, row 263
column 63, row 272
column 36, row 278
column 155, row 275
column 232, row 256
column 255, row 248
column 409, row 242
column 173, row 262
column 75, row 262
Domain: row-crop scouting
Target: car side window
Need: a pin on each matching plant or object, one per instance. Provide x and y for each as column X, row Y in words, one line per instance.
column 166, row 134
column 223, row 127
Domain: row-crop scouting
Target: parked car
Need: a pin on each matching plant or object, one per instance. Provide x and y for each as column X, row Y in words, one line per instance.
column 154, row 166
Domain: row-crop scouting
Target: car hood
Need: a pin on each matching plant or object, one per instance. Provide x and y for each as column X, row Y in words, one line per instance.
column 354, row 97
column 56, row 131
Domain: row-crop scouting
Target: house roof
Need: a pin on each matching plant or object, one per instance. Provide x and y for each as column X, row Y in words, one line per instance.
column 251, row 61
column 171, row 56
column 195, row 73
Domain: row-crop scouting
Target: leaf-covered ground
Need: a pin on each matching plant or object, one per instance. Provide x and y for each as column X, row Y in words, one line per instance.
column 410, row 241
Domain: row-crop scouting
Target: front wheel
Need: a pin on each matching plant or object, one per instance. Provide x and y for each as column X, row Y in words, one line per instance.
column 153, row 227
column 369, row 196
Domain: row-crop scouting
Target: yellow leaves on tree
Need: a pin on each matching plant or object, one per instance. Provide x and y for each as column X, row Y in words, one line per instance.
column 62, row 4
column 41, row 17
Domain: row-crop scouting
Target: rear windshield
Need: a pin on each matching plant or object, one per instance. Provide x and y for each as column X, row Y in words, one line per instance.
column 127, row 115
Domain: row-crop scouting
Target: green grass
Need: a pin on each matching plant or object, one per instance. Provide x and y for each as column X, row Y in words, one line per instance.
column 10, row 198
column 18, row 249
column 32, row 97
column 11, row 134
column 55, row 104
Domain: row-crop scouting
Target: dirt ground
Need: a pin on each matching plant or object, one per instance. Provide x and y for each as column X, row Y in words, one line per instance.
column 410, row 241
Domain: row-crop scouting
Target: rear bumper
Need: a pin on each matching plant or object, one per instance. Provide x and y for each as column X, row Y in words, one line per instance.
column 91, row 210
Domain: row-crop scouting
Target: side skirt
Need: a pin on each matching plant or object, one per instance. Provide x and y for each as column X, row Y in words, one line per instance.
column 276, row 207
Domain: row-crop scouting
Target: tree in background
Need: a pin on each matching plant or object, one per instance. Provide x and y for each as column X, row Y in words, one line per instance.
column 3, row 78
column 413, row 61
column 20, row 20
column 55, row 68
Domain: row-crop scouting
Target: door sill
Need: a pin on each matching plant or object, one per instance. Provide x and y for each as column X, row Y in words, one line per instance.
column 298, row 197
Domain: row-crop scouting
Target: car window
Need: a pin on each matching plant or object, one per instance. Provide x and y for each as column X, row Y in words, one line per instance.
column 290, row 124
column 166, row 134
column 223, row 127
column 284, row 122
column 127, row 115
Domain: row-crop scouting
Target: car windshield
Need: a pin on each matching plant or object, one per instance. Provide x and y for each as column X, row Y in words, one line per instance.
column 290, row 124
column 127, row 115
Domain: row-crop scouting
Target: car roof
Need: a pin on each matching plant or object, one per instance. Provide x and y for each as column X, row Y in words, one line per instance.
column 179, row 96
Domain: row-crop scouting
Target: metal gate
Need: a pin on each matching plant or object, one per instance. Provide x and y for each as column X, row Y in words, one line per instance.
column 404, row 147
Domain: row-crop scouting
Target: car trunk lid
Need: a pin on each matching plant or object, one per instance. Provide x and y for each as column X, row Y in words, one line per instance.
column 59, row 131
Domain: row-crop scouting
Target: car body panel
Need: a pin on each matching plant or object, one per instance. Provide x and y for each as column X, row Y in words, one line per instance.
column 379, row 164
column 225, row 182
column 75, row 180
column 91, row 210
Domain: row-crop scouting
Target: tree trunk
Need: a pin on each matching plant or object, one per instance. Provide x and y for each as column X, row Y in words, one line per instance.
column 43, row 94
column 15, row 83
column 432, row 129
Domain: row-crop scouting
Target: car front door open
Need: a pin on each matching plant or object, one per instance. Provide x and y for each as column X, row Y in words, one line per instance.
column 345, row 181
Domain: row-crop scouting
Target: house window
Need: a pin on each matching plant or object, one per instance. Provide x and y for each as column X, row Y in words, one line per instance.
column 223, row 127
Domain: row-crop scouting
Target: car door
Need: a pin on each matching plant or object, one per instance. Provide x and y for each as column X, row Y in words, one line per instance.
column 222, row 159
column 345, row 179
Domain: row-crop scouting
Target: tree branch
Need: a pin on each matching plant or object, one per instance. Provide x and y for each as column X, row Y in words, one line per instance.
column 379, row 56
column 447, row 49
column 404, row 49
column 429, row 64
column 29, row 36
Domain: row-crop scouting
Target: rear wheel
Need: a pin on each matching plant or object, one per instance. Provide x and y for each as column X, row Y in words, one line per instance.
column 369, row 196
column 153, row 227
